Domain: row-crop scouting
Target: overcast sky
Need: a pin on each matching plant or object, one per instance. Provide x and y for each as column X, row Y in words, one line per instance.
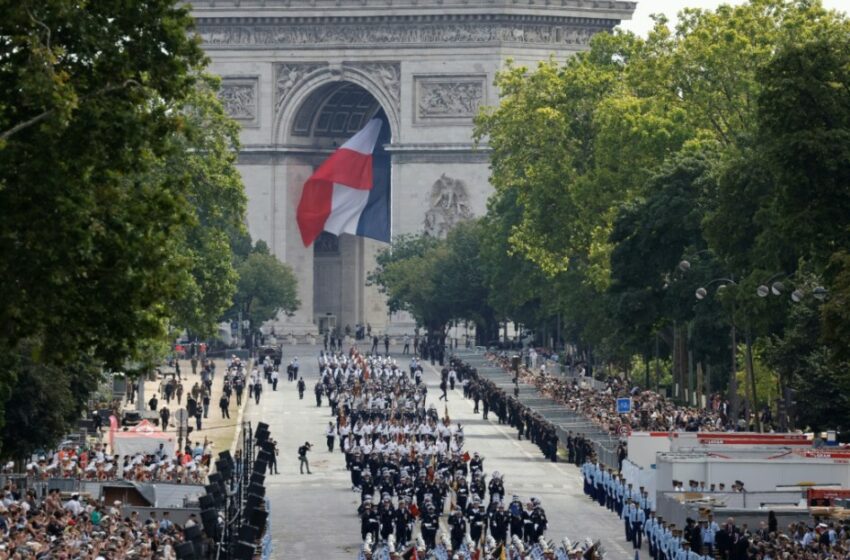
column 641, row 23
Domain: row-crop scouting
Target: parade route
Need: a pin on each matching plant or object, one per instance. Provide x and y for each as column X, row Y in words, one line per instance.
column 314, row 516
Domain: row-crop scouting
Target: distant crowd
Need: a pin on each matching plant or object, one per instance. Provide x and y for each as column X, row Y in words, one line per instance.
column 81, row 528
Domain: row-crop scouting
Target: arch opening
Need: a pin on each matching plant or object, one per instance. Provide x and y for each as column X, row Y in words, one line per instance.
column 326, row 117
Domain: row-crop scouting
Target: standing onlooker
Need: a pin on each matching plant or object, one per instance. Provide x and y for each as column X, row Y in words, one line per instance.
column 224, row 405
column 164, row 415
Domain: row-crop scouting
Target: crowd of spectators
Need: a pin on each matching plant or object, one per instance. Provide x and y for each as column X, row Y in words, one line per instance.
column 650, row 411
column 82, row 529
column 188, row 466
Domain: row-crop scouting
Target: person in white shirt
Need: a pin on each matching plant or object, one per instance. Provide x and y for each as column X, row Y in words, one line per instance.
column 74, row 506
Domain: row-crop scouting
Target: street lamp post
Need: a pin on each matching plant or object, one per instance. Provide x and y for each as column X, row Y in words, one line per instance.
column 777, row 288
column 701, row 293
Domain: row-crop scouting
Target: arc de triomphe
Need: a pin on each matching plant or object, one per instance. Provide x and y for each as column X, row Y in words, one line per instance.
column 301, row 76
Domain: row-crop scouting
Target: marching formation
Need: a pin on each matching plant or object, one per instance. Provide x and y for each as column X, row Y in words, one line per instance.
column 421, row 491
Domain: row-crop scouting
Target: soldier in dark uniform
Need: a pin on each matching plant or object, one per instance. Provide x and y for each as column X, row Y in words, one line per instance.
column 369, row 522
column 403, row 522
column 477, row 462
column 356, row 467
column 496, row 487
column 516, row 520
column 430, row 523
column 461, row 492
column 528, row 524
column 478, row 487
column 538, row 519
column 499, row 523
column 477, row 522
column 367, row 487
column 387, row 517
column 457, row 525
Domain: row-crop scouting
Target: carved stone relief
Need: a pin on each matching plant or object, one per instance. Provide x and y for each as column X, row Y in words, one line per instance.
column 239, row 97
column 290, row 75
column 441, row 98
column 449, row 205
column 215, row 32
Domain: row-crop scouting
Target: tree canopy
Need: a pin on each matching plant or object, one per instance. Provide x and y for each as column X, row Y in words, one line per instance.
column 119, row 199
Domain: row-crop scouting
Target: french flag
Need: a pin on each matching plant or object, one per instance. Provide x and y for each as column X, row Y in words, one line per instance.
column 350, row 191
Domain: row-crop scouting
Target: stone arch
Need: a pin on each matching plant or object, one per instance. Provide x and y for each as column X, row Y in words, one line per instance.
column 367, row 76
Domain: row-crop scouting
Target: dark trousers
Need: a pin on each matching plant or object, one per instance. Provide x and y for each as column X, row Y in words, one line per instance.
column 637, row 534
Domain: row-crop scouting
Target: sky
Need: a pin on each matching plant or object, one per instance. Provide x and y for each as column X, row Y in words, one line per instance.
column 641, row 23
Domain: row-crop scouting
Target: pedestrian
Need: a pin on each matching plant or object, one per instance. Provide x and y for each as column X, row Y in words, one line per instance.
column 443, row 387
column 330, row 434
column 318, row 389
column 224, row 405
column 302, row 457
column 275, row 376
column 179, row 393
column 301, row 387
column 239, row 386
column 258, row 389
column 153, row 403
column 406, row 349
column 274, row 453
column 387, row 344
column 164, row 415
column 206, row 402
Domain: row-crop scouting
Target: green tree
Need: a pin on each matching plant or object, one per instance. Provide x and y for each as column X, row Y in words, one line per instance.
column 119, row 200
column 266, row 288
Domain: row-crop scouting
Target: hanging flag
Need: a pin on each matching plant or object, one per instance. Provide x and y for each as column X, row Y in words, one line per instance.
column 350, row 191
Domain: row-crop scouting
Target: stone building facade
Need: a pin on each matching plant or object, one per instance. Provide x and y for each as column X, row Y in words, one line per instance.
column 301, row 76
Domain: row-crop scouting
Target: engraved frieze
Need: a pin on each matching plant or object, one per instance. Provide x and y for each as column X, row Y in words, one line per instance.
column 223, row 33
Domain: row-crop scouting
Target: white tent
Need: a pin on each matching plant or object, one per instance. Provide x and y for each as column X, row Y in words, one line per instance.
column 142, row 438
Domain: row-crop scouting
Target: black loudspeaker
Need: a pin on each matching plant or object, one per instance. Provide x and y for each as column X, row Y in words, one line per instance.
column 224, row 468
column 260, row 467
column 267, row 446
column 248, row 534
column 214, row 491
column 257, row 489
column 253, row 502
column 185, row 551
column 243, row 551
column 257, row 478
column 192, row 533
column 207, row 502
column 209, row 518
column 216, row 478
column 262, row 426
column 261, row 435
column 258, row 519
column 225, row 456
column 265, row 456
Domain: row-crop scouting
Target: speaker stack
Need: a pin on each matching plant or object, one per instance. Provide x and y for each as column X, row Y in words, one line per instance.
column 253, row 516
